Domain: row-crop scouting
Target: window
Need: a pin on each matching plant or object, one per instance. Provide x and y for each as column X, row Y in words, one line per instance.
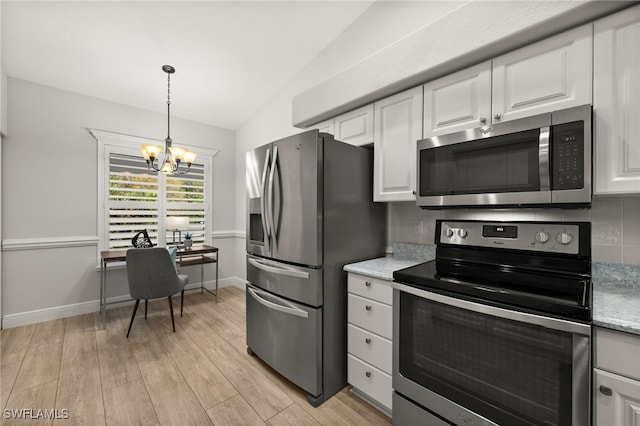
column 131, row 198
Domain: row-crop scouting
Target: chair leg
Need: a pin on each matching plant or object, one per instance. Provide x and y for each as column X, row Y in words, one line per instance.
column 146, row 304
column 173, row 323
column 135, row 308
column 181, row 302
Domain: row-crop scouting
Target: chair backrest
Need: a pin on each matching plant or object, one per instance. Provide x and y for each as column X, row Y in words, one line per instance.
column 151, row 273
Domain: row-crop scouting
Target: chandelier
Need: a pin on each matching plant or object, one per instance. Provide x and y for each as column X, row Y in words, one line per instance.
column 173, row 157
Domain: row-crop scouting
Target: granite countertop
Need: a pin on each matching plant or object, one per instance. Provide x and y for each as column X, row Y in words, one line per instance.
column 404, row 255
column 616, row 296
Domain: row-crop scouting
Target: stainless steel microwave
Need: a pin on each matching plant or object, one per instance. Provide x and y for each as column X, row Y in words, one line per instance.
column 543, row 160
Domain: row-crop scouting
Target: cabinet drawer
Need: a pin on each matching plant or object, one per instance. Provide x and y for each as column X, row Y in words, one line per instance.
column 370, row 380
column 369, row 347
column 618, row 352
column 372, row 288
column 370, row 315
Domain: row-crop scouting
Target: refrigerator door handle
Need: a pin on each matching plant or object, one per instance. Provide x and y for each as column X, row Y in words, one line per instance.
column 263, row 204
column 271, row 191
column 283, row 306
column 280, row 270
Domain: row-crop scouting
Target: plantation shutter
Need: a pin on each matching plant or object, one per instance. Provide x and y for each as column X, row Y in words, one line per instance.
column 132, row 203
column 185, row 195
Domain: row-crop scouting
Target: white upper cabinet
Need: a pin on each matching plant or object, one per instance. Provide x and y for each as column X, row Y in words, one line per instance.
column 458, row 101
column 324, row 126
column 398, row 126
column 549, row 75
column 355, row 127
column 616, row 103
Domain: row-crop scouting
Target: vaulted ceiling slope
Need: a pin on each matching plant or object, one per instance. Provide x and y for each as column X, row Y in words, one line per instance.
column 230, row 57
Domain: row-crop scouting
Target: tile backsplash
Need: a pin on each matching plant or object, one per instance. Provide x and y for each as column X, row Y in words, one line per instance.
column 615, row 224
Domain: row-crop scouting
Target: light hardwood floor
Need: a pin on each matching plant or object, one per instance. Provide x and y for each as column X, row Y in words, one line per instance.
column 199, row 375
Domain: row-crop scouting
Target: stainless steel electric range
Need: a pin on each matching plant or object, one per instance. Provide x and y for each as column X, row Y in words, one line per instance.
column 496, row 330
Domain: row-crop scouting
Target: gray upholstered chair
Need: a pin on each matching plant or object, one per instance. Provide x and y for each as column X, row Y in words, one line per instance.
column 152, row 274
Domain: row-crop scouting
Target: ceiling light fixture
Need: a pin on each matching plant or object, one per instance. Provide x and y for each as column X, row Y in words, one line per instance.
column 173, row 156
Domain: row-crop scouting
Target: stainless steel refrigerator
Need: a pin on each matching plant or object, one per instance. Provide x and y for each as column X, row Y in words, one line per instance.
column 309, row 212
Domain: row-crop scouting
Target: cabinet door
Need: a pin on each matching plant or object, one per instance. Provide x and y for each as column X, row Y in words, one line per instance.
column 398, row 126
column 552, row 74
column 459, row 101
column 326, row 126
column 616, row 103
column 616, row 400
column 355, row 127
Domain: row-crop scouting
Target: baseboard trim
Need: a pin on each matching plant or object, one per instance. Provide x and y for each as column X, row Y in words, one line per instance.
column 57, row 312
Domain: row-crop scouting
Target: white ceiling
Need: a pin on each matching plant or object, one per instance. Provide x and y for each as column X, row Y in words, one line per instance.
column 230, row 57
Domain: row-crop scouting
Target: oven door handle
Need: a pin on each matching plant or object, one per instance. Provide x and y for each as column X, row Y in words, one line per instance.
column 283, row 306
column 551, row 323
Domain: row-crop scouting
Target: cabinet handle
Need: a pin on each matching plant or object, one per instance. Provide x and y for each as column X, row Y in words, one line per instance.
column 483, row 120
column 368, row 374
column 413, row 192
column 605, row 390
column 367, row 341
column 367, row 283
column 368, row 307
column 497, row 116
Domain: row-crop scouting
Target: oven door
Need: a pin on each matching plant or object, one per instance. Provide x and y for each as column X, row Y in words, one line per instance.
column 471, row 363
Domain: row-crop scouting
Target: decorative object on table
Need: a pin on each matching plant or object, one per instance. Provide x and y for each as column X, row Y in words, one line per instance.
column 142, row 240
column 177, row 224
column 188, row 242
column 173, row 156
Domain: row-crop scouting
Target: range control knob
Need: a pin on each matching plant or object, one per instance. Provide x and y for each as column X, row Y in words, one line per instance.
column 542, row 237
column 448, row 232
column 462, row 233
column 564, row 238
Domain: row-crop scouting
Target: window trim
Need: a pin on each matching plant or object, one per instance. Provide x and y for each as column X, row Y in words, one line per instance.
column 127, row 144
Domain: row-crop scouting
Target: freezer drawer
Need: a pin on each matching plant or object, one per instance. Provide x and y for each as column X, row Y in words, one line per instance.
column 293, row 282
column 287, row 336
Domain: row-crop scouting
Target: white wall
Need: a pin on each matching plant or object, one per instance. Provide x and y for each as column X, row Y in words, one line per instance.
column 379, row 26
column 49, row 190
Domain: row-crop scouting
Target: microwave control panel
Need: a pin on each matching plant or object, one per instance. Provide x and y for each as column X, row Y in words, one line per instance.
column 567, row 156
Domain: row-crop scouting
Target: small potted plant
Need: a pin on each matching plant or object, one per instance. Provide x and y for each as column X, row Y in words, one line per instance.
column 188, row 242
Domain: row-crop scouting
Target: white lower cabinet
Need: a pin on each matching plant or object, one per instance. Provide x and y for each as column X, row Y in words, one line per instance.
column 369, row 334
column 616, row 378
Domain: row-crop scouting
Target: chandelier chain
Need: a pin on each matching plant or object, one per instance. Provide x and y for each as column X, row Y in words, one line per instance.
column 168, row 105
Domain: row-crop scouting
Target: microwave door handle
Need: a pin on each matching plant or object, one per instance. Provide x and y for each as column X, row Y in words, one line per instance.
column 264, row 201
column 283, row 306
column 282, row 270
column 543, row 157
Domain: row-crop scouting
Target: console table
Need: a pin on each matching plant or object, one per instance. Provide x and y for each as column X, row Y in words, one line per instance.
column 196, row 255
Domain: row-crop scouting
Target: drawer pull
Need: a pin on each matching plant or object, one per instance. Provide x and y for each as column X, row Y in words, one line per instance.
column 605, row 390
column 367, row 341
column 367, row 283
column 368, row 307
column 368, row 374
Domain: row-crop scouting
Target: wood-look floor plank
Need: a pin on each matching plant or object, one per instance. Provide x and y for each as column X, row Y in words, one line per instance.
column 374, row 417
column 293, row 416
column 80, row 390
column 128, row 405
column 209, row 385
column 173, row 399
column 8, row 374
column 117, row 363
column 36, row 397
column 14, row 343
column 41, row 362
column 260, row 392
column 217, row 320
column 234, row 412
